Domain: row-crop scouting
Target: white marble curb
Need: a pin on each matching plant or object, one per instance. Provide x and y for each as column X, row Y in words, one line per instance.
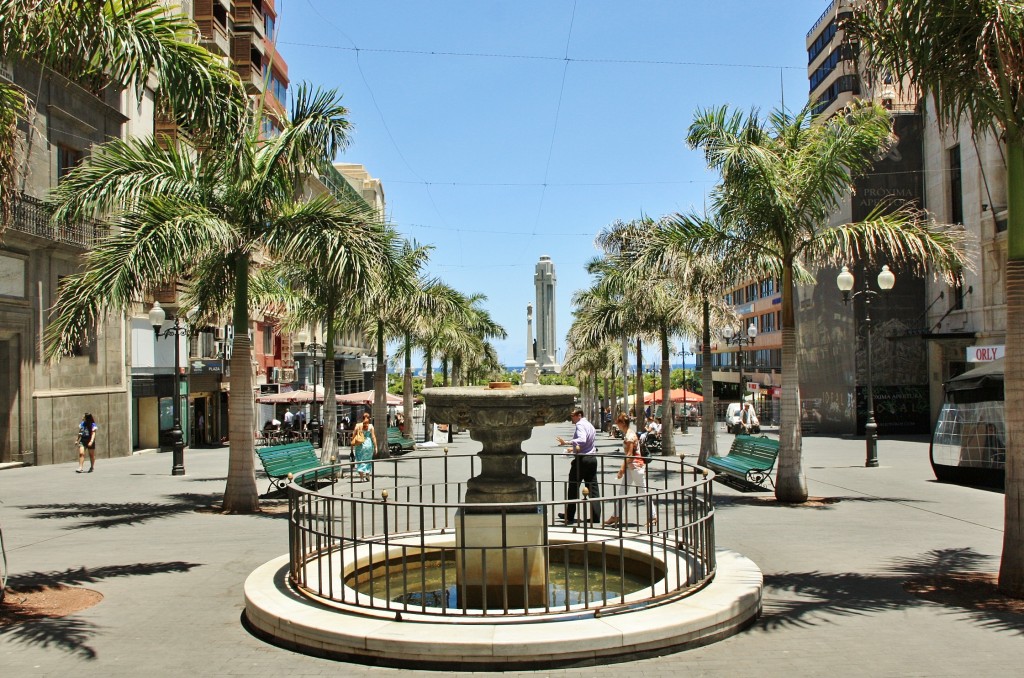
column 723, row 608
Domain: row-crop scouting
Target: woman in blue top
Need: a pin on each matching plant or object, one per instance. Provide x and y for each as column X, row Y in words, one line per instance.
column 87, row 441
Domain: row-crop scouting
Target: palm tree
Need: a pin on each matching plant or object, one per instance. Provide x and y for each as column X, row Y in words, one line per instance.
column 587, row 357
column 478, row 356
column 663, row 308
column 203, row 216
column 394, row 307
column 419, row 331
column 781, row 180
column 704, row 280
column 115, row 42
column 315, row 290
column 968, row 55
column 607, row 311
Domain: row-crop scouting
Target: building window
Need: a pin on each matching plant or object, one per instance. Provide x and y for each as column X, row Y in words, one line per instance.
column 268, row 26
column 956, row 191
column 269, row 127
column 67, row 160
column 280, row 89
column 268, row 340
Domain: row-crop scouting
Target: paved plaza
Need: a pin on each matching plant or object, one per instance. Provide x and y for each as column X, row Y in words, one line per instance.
column 171, row 576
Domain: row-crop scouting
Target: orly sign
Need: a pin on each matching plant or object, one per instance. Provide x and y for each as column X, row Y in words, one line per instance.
column 984, row 354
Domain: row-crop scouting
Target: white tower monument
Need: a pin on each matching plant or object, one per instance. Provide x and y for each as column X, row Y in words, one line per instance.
column 544, row 280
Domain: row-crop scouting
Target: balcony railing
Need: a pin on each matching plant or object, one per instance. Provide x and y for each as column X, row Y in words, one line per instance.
column 32, row 216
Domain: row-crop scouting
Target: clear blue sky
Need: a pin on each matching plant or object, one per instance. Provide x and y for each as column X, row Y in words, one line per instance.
column 503, row 130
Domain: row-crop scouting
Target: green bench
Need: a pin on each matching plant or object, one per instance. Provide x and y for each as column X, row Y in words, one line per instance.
column 398, row 443
column 280, row 461
column 750, row 460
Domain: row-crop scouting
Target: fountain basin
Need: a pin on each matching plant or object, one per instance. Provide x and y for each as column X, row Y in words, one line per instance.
column 278, row 613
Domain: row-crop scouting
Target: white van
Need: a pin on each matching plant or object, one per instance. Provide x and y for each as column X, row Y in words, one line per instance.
column 732, row 418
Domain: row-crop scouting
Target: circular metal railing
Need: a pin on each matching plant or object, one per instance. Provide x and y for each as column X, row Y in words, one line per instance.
column 392, row 544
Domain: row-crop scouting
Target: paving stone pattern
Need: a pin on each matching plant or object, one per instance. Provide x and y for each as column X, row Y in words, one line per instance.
column 172, row 577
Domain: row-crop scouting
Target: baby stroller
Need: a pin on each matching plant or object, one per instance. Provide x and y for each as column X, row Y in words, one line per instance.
column 650, row 445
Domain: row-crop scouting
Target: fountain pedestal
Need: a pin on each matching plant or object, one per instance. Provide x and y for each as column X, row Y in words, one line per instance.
column 501, row 544
column 496, row 550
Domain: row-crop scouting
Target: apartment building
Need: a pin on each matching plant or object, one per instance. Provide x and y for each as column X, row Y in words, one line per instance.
column 354, row 355
column 965, row 183
column 925, row 331
column 833, row 335
column 42, row 404
column 242, row 32
column 122, row 373
column 750, row 366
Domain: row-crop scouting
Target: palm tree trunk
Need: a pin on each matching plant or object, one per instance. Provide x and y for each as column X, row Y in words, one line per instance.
column 329, row 421
column 790, row 482
column 380, row 399
column 1011, row 564
column 444, row 371
column 428, row 382
column 708, row 435
column 240, row 493
column 668, row 446
column 625, row 376
column 609, row 380
column 638, row 406
column 407, row 386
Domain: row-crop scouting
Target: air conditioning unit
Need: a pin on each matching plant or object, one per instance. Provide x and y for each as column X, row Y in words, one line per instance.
column 7, row 71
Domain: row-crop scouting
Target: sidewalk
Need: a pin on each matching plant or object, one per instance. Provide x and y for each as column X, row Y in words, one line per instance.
column 172, row 576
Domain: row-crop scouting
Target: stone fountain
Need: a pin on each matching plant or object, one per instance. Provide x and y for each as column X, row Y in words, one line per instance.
column 500, row 417
column 321, row 597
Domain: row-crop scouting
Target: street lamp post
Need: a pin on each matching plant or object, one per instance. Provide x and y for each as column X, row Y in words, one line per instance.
column 157, row 315
column 314, row 348
column 740, row 339
column 845, row 282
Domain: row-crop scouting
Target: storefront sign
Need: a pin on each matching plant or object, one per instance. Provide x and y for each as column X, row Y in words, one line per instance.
column 207, row 366
column 985, row 354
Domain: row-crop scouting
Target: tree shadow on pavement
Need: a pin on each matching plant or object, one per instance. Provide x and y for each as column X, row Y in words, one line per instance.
column 105, row 515
column 806, row 599
column 71, row 634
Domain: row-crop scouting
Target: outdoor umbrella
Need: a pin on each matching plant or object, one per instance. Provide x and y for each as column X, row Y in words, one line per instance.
column 365, row 398
column 677, row 395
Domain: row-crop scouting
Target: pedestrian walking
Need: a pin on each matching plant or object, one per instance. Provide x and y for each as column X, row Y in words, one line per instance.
column 583, row 468
column 633, row 472
column 362, row 447
column 87, row 441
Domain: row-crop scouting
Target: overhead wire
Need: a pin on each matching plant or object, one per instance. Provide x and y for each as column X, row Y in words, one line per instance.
column 554, row 126
column 542, row 57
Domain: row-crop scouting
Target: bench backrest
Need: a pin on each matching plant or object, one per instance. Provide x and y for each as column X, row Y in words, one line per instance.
column 764, row 450
column 289, row 458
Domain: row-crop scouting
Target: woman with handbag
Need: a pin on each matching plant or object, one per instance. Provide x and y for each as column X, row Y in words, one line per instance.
column 633, row 472
column 362, row 447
